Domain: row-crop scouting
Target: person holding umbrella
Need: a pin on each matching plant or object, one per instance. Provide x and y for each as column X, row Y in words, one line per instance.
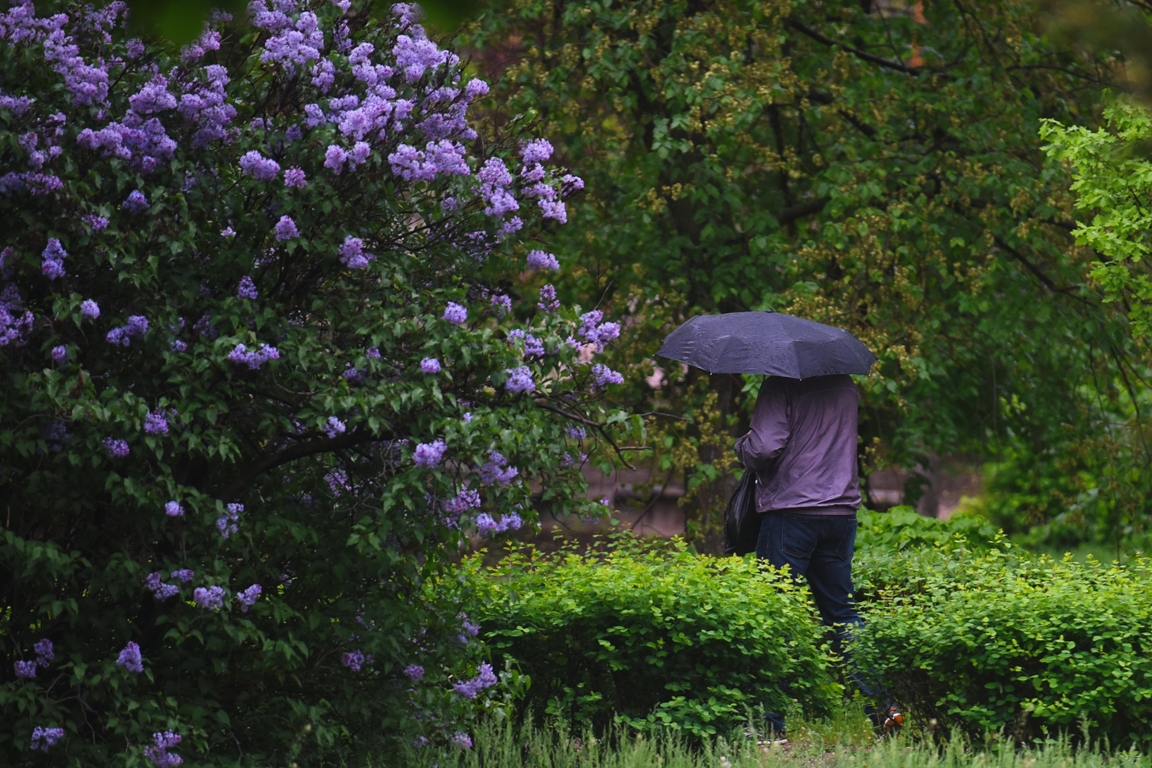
column 801, row 449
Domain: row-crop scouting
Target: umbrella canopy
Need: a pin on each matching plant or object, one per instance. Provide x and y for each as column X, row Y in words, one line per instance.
column 766, row 342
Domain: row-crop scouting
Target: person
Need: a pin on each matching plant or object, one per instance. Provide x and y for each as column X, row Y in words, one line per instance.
column 801, row 445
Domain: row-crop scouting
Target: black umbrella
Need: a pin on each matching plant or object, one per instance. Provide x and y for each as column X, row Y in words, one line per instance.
column 766, row 342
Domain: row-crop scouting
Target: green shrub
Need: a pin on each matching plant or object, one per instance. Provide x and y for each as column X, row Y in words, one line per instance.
column 903, row 528
column 1028, row 645
column 654, row 635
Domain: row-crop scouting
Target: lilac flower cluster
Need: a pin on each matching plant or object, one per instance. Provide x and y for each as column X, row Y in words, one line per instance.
column 183, row 575
column 286, row 229
column 334, row 427
column 429, row 455
column 486, row 525
column 209, row 598
column 60, row 353
column 461, row 740
column 14, row 324
column 255, row 358
column 352, row 253
column 227, row 523
column 455, row 313
column 248, row 597
column 156, row 423
column 354, row 660
column 548, row 301
column 259, row 167
column 89, row 309
column 26, row 670
column 174, row 509
column 116, row 448
column 122, row 336
column 604, row 376
column 430, row 365
column 247, row 289
column 136, row 203
column 520, row 380
column 485, row 678
column 161, row 591
column 45, row 738
column 158, row 752
column 596, row 333
column 501, row 304
column 414, row 672
column 53, row 259
column 538, row 259
column 438, row 158
column 496, row 470
column 130, row 658
column 462, row 502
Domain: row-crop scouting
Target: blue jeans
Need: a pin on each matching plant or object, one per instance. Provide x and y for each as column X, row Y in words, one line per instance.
column 818, row 548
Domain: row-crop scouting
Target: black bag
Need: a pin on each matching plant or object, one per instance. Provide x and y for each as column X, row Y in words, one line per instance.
column 741, row 521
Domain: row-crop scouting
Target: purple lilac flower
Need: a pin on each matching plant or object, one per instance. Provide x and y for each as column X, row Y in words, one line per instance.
column 247, row 288
column 117, row 449
column 286, row 229
column 352, row 374
column 533, row 347
column 542, row 260
column 352, row 253
column 295, row 178
column 153, row 97
column 259, row 167
column 595, row 332
column 156, row 423
column 334, row 159
column 255, row 358
column 174, row 509
column 496, row 470
column 95, row 223
column 438, row 158
column 210, row 598
column 45, row 738
column 548, row 301
column 53, row 259
column 485, row 678
column 429, row 454
column 455, row 313
column 334, row 427
column 293, row 45
column 89, row 309
column 461, row 740
column 463, row 501
column 467, row 417
column 159, row 754
column 44, row 652
column 25, row 670
column 576, row 432
column 536, row 151
column 501, row 304
column 248, row 597
column 486, row 524
column 430, row 365
column 59, row 353
column 519, row 380
column 183, row 575
column 605, row 376
column 354, row 660
column 158, row 588
column 130, row 658
column 228, row 232
column 227, row 523
column 414, row 672
column 416, row 55
column 136, row 203
column 122, row 336
column 372, row 353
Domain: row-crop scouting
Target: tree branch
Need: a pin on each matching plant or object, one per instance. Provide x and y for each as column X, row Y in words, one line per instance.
column 1039, row 273
column 603, row 430
column 298, row 451
column 799, row 211
column 818, row 37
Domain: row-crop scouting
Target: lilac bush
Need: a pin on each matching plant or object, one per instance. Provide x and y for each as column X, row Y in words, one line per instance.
column 262, row 256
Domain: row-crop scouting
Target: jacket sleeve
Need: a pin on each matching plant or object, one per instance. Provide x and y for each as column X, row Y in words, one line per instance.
column 769, row 431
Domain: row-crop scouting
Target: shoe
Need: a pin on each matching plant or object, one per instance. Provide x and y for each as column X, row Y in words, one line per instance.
column 891, row 720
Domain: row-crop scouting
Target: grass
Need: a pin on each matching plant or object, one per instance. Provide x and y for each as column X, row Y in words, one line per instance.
column 846, row 741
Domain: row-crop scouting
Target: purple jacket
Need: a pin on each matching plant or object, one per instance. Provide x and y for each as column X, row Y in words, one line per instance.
column 802, row 445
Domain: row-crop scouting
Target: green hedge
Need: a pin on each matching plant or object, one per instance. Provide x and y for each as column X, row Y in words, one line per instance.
column 653, row 635
column 1023, row 644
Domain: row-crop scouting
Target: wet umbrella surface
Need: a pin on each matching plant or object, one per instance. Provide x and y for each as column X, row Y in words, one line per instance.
column 767, row 343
